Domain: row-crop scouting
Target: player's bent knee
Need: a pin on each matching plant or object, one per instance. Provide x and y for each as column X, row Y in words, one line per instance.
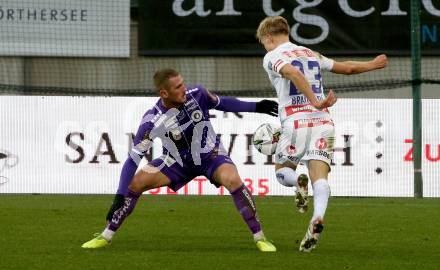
column 286, row 176
column 236, row 183
column 148, row 179
column 232, row 183
column 227, row 176
column 141, row 182
column 136, row 184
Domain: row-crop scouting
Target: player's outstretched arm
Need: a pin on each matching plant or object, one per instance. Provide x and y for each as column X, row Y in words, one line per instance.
column 356, row 67
column 230, row 104
column 267, row 106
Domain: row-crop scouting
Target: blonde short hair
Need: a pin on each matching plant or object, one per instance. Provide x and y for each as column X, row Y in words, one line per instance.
column 276, row 25
column 161, row 77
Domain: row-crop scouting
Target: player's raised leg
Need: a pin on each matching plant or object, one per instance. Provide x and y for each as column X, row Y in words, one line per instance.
column 144, row 180
column 227, row 175
column 318, row 171
column 290, row 149
column 287, row 176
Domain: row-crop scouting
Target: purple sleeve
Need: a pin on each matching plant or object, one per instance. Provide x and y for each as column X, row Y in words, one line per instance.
column 230, row 104
column 207, row 98
column 226, row 104
column 136, row 155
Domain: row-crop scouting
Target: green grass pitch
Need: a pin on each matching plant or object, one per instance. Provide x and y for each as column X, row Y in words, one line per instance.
column 206, row 232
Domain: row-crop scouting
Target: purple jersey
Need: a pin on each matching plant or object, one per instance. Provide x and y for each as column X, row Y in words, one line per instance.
column 190, row 145
column 181, row 130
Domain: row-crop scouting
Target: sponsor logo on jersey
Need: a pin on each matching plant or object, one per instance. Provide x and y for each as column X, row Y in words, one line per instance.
column 291, row 149
column 189, row 91
column 293, row 159
column 269, row 65
column 307, row 108
column 191, row 105
column 300, row 100
column 312, row 122
column 189, row 102
column 319, row 153
column 321, row 144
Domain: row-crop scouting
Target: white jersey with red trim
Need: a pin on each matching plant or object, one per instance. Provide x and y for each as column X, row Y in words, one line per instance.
column 307, row 133
column 291, row 100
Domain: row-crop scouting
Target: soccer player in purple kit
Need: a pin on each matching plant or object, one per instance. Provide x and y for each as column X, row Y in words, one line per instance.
column 191, row 148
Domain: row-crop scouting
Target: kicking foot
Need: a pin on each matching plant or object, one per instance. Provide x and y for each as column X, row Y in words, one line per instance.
column 312, row 235
column 302, row 193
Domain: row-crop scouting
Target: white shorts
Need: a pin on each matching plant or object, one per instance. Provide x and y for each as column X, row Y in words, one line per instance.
column 306, row 139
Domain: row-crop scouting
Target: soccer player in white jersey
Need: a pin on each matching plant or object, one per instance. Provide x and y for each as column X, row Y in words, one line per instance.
column 307, row 128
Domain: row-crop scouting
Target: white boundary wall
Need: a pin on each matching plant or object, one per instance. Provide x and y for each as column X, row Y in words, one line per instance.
column 371, row 161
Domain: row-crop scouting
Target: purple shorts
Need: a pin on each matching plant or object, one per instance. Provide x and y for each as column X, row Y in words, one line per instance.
column 181, row 175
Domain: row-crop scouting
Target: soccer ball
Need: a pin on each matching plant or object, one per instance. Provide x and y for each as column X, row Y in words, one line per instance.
column 266, row 138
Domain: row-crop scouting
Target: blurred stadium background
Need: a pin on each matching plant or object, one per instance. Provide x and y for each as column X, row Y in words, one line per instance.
column 46, row 231
column 234, row 75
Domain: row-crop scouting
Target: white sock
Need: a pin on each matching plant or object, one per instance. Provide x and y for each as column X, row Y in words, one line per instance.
column 321, row 193
column 287, row 176
column 108, row 234
column 259, row 236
